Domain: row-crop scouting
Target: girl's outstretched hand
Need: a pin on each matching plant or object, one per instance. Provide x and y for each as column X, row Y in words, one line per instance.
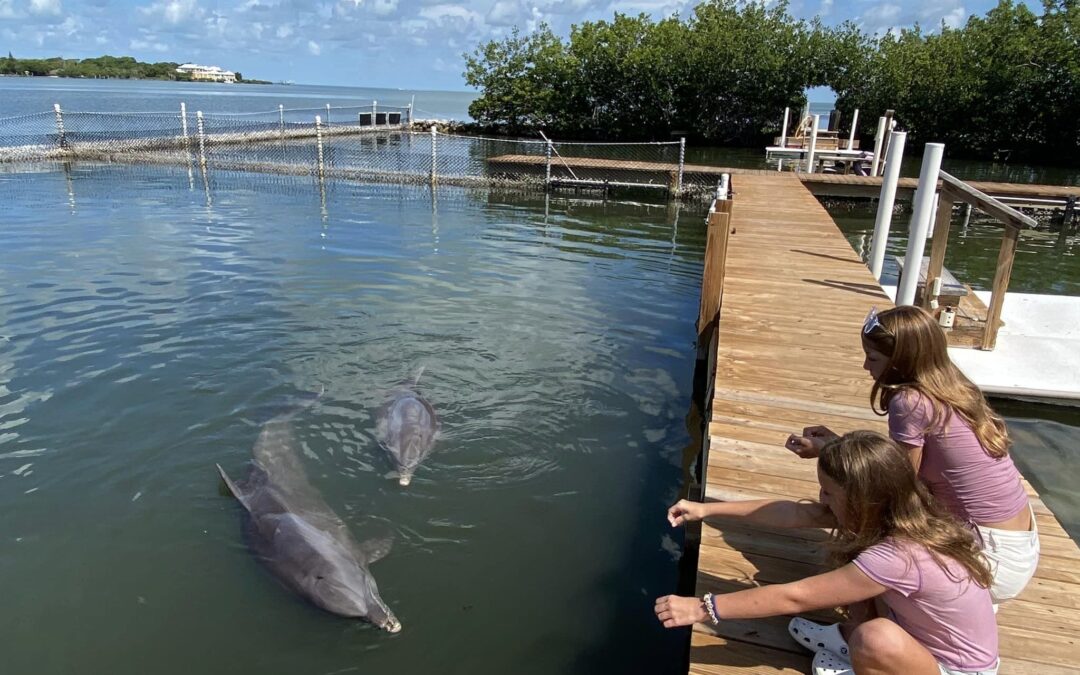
column 674, row 611
column 811, row 442
column 685, row 511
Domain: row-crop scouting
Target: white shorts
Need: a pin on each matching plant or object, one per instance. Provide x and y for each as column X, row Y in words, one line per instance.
column 1013, row 556
column 945, row 670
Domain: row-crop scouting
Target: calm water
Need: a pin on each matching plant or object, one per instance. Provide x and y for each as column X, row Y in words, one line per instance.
column 26, row 95
column 146, row 327
column 1046, row 438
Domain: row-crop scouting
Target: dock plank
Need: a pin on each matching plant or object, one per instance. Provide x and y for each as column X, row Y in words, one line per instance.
column 789, row 356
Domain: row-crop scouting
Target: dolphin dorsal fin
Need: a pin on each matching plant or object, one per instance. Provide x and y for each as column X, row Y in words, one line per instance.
column 374, row 550
column 232, row 487
column 416, row 377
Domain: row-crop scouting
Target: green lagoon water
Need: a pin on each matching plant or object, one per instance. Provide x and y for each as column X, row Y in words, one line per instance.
column 147, row 327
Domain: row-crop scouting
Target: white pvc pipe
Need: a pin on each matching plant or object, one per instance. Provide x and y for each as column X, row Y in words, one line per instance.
column 854, row 125
column 920, row 222
column 783, row 131
column 885, row 203
column 813, row 144
column 878, row 137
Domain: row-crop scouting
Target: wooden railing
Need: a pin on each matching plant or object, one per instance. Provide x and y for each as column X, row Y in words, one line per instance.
column 954, row 190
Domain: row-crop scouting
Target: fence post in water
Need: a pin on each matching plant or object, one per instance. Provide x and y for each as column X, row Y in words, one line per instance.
column 202, row 139
column 783, row 129
column 374, row 113
column 434, row 142
column 61, row 136
column 183, row 121
column 319, row 144
column 682, row 165
column 327, row 114
column 281, row 120
column 885, row 203
column 876, row 163
column 813, row 144
column 547, row 165
column 920, row 222
column 854, row 125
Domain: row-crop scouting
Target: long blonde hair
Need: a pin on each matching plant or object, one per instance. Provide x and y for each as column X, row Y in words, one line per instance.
column 918, row 359
column 885, row 498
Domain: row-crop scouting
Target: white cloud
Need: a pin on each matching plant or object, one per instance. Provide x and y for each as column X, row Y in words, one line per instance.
column 506, row 13
column 284, row 31
column 443, row 13
column 314, row 48
column 45, row 7
column 826, row 8
column 174, row 12
column 7, row 10
column 148, row 46
column 956, row 18
column 384, row 7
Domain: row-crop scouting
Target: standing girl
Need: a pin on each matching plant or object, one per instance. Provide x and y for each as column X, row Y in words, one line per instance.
column 958, row 445
column 892, row 543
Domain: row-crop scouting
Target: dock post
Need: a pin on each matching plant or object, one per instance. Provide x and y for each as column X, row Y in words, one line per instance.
column 885, row 204
column 854, row 125
column 202, row 139
column 920, row 222
column 327, row 114
column 434, row 143
column 319, row 144
column 183, row 122
column 61, row 135
column 813, row 144
column 547, row 166
column 783, row 129
column 878, row 138
column 374, row 113
column 682, row 165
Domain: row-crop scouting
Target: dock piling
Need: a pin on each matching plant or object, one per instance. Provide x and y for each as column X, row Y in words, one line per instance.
column 886, row 201
column 682, row 165
column 202, row 139
column 319, row 145
column 783, row 129
column 854, row 126
column 61, row 135
column 183, row 121
column 875, row 164
column 813, row 144
column 920, row 222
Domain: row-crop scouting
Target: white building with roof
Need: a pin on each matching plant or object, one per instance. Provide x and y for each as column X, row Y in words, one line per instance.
column 207, row 73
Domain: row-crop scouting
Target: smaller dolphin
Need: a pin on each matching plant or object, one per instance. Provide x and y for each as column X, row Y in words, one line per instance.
column 298, row 536
column 406, row 426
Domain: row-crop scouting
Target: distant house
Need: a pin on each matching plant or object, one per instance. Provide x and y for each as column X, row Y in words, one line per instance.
column 207, row 73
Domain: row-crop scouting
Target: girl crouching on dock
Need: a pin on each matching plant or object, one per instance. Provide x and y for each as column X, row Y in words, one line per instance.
column 958, row 445
column 892, row 543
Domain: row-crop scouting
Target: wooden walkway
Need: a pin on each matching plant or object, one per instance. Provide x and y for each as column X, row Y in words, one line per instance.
column 788, row 356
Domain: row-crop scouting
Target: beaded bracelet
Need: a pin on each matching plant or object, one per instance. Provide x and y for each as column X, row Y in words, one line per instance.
column 710, row 607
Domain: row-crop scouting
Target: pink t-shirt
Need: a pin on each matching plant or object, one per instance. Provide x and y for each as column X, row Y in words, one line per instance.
column 947, row 613
column 972, row 485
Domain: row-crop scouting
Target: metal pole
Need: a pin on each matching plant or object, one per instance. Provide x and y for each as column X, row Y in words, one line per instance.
column 920, row 222
column 854, row 125
column 61, row 135
column 319, row 144
column 183, row 121
column 885, row 203
column 783, row 130
column 813, row 144
column 682, row 165
column 374, row 113
column 876, row 164
column 327, row 114
column 547, row 165
column 434, row 143
column 202, row 139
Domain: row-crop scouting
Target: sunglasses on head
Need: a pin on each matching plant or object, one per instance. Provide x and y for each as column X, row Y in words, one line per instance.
column 871, row 323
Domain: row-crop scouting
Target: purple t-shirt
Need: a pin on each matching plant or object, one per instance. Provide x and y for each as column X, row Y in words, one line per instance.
column 972, row 485
column 947, row 613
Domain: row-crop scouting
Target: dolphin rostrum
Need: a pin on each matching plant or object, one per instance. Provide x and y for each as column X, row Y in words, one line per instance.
column 406, row 426
column 299, row 537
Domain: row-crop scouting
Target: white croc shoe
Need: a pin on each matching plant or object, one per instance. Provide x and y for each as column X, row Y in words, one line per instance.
column 827, row 663
column 815, row 637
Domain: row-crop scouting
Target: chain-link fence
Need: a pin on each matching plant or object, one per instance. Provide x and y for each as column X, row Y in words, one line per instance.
column 371, row 143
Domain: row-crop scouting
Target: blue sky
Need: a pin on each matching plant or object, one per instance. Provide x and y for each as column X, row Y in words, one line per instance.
column 376, row 43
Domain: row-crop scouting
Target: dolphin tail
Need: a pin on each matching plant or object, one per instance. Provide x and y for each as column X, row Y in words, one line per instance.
column 235, row 491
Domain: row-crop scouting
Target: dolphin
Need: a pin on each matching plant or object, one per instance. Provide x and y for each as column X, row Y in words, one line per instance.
column 406, row 426
column 289, row 526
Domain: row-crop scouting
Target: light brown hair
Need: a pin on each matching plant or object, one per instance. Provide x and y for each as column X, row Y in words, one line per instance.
column 918, row 359
column 883, row 497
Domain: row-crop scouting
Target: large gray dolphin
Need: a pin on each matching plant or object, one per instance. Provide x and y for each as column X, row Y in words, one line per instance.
column 406, row 426
column 299, row 537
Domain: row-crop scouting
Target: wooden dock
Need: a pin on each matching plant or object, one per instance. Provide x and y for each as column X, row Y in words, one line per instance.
column 788, row 355
column 820, row 184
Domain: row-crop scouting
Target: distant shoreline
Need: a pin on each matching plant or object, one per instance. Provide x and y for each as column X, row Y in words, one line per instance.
column 139, row 79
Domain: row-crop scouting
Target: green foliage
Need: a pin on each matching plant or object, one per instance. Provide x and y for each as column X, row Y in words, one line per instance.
column 1004, row 83
column 123, row 67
